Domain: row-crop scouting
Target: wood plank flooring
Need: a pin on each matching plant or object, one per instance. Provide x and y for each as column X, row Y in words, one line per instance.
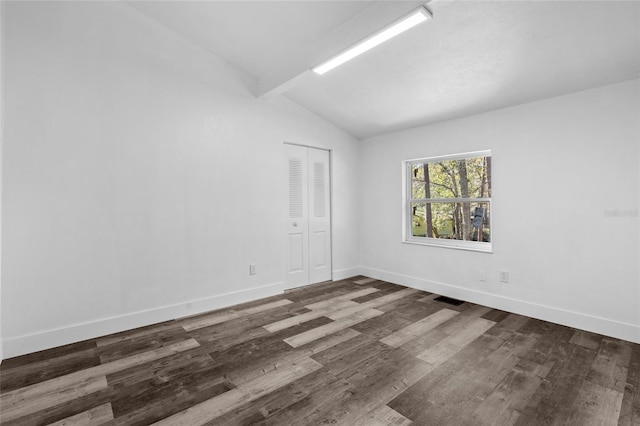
column 351, row 352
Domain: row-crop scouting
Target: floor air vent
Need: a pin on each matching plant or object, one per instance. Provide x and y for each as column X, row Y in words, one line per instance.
column 450, row 301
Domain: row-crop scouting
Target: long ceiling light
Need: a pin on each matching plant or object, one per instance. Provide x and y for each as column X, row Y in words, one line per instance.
column 414, row 18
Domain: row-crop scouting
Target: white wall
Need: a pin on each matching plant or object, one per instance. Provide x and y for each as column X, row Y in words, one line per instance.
column 558, row 166
column 141, row 177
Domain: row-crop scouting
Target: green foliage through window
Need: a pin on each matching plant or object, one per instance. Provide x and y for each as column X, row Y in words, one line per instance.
column 450, row 198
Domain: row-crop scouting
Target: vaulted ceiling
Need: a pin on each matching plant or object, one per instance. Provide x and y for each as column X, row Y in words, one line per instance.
column 472, row 57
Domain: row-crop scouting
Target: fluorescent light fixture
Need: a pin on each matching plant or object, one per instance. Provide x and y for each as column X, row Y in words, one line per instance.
column 414, row 18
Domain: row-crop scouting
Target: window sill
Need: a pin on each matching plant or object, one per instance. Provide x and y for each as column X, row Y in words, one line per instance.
column 452, row 244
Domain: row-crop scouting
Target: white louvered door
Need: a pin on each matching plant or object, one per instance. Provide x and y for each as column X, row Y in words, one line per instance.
column 319, row 216
column 297, row 226
column 308, row 227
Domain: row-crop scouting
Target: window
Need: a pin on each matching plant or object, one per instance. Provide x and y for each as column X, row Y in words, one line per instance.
column 448, row 201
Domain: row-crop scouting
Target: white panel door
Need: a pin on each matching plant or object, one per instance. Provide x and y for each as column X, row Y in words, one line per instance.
column 308, row 221
column 319, row 216
column 297, row 222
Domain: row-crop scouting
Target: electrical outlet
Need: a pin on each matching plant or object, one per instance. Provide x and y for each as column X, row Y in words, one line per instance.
column 252, row 269
column 504, row 276
column 482, row 276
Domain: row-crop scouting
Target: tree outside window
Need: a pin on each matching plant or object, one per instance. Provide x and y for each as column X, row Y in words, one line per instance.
column 449, row 198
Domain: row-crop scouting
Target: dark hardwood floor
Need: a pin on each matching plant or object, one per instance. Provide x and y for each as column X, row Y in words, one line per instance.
column 352, row 352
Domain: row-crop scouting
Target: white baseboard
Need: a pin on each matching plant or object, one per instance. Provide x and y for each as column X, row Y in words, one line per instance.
column 341, row 274
column 21, row 345
column 25, row 344
column 605, row 326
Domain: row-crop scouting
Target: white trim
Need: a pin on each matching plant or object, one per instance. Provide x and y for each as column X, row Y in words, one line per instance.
column 452, row 244
column 331, row 205
column 450, row 200
column 407, row 236
column 307, row 146
column 28, row 343
column 605, row 326
column 460, row 156
column 342, row 274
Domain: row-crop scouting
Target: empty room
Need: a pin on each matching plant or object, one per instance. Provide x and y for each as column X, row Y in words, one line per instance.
column 320, row 212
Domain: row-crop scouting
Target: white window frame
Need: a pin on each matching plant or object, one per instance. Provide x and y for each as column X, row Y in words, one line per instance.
column 407, row 236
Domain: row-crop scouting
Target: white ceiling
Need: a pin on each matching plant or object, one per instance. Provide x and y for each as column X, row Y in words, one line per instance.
column 474, row 56
column 254, row 36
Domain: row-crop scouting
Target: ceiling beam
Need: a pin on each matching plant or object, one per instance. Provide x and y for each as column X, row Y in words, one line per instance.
column 298, row 66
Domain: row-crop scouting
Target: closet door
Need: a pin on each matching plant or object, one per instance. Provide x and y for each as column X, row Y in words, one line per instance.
column 308, row 217
column 297, row 223
column 319, row 216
